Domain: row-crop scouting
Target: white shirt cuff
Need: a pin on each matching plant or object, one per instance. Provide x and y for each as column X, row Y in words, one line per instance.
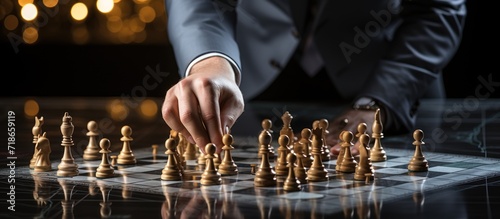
column 212, row 54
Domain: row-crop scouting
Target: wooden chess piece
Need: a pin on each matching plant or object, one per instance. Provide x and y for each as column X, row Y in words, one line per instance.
column 228, row 166
column 113, row 160
column 418, row 163
column 300, row 171
column 42, row 155
column 305, row 140
column 105, row 170
column 265, row 175
column 105, row 210
column 67, row 167
column 154, row 150
column 210, row 176
column 317, row 172
column 126, row 156
column 348, row 164
column 267, row 125
column 190, row 153
column 91, row 152
column 325, row 149
column 364, row 170
column 287, row 127
column 361, row 130
column 291, row 182
column 36, row 131
column 377, row 152
column 171, row 171
column 281, row 165
column 340, row 156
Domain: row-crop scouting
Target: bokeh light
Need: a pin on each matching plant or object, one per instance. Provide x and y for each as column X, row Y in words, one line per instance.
column 50, row 3
column 31, row 108
column 79, row 11
column 148, row 108
column 29, row 12
column 105, row 6
column 11, row 22
column 30, row 35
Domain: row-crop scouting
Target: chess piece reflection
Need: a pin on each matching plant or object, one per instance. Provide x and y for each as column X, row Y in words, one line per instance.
column 67, row 167
column 105, row 204
column 418, row 190
column 67, row 203
column 42, row 155
column 42, row 195
column 36, row 131
column 168, row 208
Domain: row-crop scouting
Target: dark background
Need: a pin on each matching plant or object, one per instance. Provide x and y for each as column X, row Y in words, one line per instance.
column 56, row 67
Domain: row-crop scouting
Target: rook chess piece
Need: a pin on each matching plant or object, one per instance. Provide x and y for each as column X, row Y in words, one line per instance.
column 105, row 170
column 91, row 152
column 377, row 152
column 67, row 167
column 126, row 156
column 210, row 176
column 418, row 163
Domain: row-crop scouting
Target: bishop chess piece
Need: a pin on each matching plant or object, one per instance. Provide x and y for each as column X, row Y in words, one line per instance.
column 36, row 131
column 265, row 175
column 91, row 152
column 105, row 170
column 67, row 167
column 291, row 181
column 377, row 152
column 418, row 163
column 171, row 171
column 210, row 176
column 126, row 156
column 228, row 166
column 364, row 170
column 42, row 154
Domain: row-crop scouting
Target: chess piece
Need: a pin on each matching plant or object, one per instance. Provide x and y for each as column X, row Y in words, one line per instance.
column 105, row 170
column 340, row 156
column 317, row 172
column 67, row 167
column 126, row 155
column 300, row 171
column 228, row 166
column 364, row 170
column 325, row 150
column 36, row 131
column 361, row 130
column 171, row 171
column 306, row 142
column 154, row 150
column 291, row 182
column 267, row 125
column 348, row 164
column 418, row 163
column 210, row 176
column 281, row 165
column 113, row 160
column 190, row 153
column 265, row 175
column 91, row 152
column 377, row 152
column 287, row 128
column 42, row 155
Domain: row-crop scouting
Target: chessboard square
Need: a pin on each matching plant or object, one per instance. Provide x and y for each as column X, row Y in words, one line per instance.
column 478, row 172
column 405, row 178
column 483, row 160
column 88, row 164
column 394, row 191
column 391, row 170
column 399, row 160
column 149, row 183
column 212, row 188
column 342, row 191
column 377, row 165
column 445, row 169
column 465, row 165
column 144, row 176
column 122, row 179
column 301, row 195
column 492, row 167
column 84, row 178
column 138, row 169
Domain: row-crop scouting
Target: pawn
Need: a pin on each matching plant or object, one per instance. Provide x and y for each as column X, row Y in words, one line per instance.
column 291, row 182
column 267, row 125
column 126, row 156
column 91, row 152
column 265, row 175
column 418, row 163
column 105, row 170
column 348, row 164
column 210, row 176
column 227, row 166
column 281, row 165
column 171, row 171
column 362, row 127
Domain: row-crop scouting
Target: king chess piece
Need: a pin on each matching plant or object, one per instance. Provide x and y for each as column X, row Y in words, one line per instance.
column 67, row 167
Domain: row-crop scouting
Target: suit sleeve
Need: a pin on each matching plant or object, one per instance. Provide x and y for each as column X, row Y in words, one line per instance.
column 424, row 43
column 198, row 27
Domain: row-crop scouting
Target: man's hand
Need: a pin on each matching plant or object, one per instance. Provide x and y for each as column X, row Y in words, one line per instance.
column 203, row 104
column 349, row 121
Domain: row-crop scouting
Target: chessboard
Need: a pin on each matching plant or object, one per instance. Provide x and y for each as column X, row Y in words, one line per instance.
column 138, row 188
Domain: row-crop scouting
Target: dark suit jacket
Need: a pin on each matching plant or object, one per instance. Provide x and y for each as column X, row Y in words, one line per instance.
column 390, row 50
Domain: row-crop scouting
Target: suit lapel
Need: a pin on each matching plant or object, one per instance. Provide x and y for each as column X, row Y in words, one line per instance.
column 299, row 13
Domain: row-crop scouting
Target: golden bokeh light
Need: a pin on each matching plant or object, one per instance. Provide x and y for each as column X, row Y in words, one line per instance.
column 117, row 110
column 105, row 6
column 29, row 12
column 136, row 25
column 30, row 35
column 50, row 3
column 24, row 2
column 79, row 11
column 11, row 22
column 148, row 108
column 114, row 24
column 31, row 108
column 141, row 1
column 147, row 14
column 80, row 35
